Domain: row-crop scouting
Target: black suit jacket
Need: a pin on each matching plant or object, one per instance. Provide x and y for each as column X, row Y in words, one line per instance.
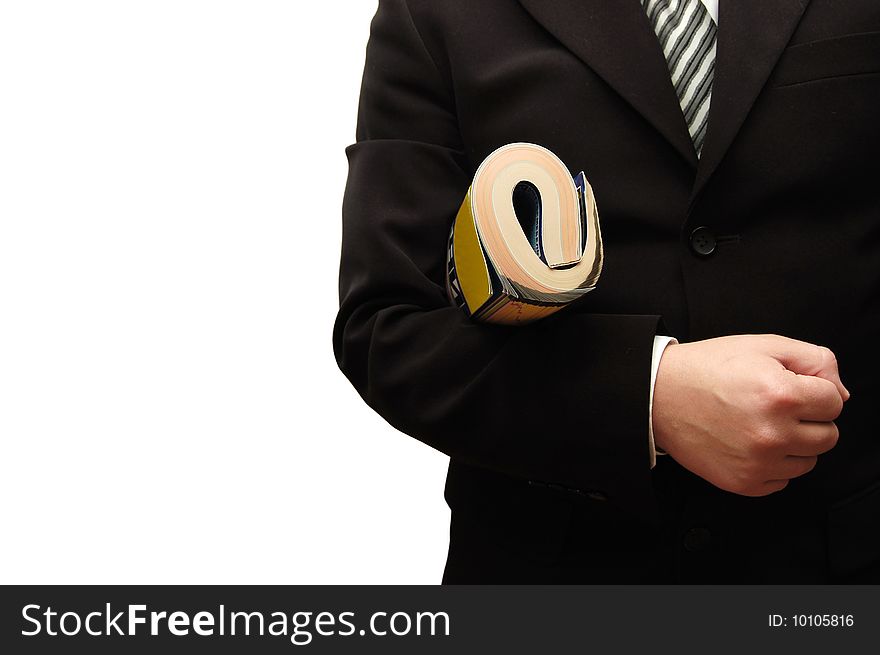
column 787, row 189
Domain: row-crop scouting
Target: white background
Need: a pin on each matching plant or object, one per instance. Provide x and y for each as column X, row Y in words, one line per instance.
column 171, row 176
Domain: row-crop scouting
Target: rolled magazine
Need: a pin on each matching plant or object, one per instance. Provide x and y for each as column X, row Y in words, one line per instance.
column 526, row 241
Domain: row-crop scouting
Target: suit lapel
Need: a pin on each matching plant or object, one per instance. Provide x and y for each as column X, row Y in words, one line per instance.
column 615, row 39
column 751, row 37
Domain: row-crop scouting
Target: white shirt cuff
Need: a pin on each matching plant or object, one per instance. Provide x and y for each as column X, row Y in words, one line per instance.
column 660, row 344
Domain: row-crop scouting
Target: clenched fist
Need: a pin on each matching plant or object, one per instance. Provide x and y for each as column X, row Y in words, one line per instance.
column 747, row 412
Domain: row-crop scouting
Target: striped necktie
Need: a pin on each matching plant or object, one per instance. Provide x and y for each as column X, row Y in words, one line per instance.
column 687, row 35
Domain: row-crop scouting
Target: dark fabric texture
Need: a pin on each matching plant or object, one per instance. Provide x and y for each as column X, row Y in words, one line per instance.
column 785, row 187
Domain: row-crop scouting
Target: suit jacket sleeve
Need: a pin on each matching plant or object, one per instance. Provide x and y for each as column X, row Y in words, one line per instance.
column 562, row 401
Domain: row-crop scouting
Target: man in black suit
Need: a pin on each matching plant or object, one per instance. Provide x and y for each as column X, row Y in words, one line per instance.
column 774, row 229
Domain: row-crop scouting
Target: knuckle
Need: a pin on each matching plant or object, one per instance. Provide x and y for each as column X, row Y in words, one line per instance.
column 756, row 481
column 747, row 482
column 736, row 482
column 808, row 465
column 753, row 470
column 835, row 434
column 746, row 489
column 767, row 488
column 831, row 438
column 775, row 394
column 777, row 485
column 827, row 358
column 758, row 490
column 836, row 403
column 764, row 439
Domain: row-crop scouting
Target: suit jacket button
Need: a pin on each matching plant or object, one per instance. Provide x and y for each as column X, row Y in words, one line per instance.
column 703, row 241
column 697, row 539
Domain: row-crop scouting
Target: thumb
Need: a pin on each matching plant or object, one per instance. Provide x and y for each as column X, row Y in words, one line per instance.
column 808, row 359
